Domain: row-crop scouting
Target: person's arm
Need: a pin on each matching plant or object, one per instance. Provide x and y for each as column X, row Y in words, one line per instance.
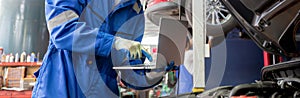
column 67, row 33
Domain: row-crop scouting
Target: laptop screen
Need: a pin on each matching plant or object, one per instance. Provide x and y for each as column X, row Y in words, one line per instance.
column 172, row 40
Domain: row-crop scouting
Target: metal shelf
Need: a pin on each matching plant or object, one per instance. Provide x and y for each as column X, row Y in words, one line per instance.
column 21, row 64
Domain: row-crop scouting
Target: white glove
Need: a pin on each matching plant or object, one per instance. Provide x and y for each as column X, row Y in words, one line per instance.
column 135, row 48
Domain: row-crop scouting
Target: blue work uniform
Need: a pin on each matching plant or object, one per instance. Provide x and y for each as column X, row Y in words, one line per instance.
column 78, row 61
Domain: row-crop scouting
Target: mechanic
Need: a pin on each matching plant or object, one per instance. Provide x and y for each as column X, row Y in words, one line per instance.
column 85, row 37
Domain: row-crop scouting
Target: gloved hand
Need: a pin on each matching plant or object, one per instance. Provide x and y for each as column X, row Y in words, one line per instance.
column 171, row 66
column 163, row 65
column 135, row 48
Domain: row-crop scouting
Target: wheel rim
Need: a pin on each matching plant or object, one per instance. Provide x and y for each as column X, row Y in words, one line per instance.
column 216, row 13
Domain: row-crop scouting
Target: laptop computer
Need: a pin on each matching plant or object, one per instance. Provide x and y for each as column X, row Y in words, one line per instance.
column 171, row 45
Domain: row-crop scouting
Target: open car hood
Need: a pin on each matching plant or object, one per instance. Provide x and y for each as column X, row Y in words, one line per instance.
column 272, row 24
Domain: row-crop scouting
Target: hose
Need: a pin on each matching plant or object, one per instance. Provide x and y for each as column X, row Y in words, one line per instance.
column 244, row 88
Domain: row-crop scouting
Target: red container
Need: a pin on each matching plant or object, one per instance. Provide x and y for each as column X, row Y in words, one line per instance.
column 1, row 51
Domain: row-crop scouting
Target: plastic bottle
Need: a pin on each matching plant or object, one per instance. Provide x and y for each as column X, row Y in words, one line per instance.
column 23, row 57
column 11, row 58
column 3, row 57
column 32, row 57
column 28, row 58
column 17, row 57
column 7, row 58
column 38, row 57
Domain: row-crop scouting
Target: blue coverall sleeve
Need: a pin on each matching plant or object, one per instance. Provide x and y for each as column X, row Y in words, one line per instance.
column 68, row 33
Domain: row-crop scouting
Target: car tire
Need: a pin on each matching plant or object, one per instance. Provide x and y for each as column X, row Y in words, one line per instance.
column 212, row 30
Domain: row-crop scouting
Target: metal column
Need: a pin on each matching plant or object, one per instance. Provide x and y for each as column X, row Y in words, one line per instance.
column 199, row 37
